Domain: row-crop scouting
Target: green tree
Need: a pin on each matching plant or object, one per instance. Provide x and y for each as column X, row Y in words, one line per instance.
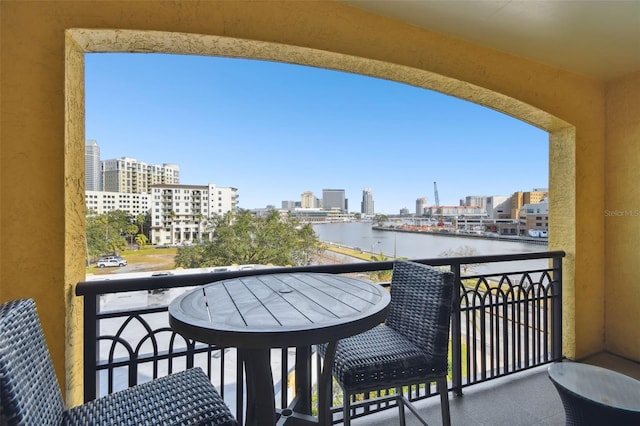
column 141, row 220
column 380, row 276
column 141, row 240
column 97, row 234
column 190, row 256
column 131, row 230
column 243, row 238
column 380, row 219
column 105, row 232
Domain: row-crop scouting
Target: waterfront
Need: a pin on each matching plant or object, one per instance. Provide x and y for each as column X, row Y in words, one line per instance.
column 360, row 235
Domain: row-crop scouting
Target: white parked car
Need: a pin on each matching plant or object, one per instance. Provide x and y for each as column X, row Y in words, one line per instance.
column 106, row 262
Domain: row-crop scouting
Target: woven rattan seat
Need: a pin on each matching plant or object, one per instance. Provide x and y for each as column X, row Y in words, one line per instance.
column 410, row 347
column 31, row 394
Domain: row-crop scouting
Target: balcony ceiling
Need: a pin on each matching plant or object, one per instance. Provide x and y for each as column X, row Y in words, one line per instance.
column 599, row 39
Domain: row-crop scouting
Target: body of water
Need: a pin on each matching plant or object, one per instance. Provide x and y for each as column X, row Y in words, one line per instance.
column 425, row 246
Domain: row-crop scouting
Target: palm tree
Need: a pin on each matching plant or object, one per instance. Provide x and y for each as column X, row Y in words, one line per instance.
column 141, row 240
column 131, row 230
column 140, row 220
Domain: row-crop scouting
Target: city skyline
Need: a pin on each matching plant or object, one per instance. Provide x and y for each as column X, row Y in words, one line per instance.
column 171, row 172
column 277, row 130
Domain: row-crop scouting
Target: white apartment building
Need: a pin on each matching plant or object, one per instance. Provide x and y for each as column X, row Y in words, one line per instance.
column 180, row 214
column 101, row 202
column 127, row 174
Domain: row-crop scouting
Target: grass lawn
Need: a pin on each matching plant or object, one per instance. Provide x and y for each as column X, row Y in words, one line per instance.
column 348, row 252
column 147, row 259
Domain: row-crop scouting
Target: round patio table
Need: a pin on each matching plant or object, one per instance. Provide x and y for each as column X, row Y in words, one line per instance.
column 259, row 312
column 593, row 395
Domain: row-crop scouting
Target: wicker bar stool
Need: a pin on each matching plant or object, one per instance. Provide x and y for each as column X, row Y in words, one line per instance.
column 411, row 347
column 31, row 395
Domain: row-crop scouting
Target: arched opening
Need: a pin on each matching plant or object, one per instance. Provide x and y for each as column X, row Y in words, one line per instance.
column 80, row 41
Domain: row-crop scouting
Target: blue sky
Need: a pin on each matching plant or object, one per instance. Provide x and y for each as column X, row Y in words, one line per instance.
column 277, row 130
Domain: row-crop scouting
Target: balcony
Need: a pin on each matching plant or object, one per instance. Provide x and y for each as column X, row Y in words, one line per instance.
column 506, row 329
column 525, row 399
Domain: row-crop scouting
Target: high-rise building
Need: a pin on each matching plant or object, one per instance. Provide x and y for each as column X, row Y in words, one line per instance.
column 128, row 175
column 334, row 199
column 93, row 175
column 308, row 200
column 421, row 205
column 180, row 213
column 366, row 207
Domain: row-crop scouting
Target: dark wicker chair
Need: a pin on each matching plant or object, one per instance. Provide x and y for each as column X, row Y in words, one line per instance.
column 31, row 394
column 411, row 347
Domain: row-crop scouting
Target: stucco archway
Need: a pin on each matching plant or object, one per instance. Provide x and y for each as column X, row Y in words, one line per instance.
column 80, row 41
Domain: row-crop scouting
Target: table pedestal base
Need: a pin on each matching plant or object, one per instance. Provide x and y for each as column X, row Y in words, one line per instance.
column 261, row 409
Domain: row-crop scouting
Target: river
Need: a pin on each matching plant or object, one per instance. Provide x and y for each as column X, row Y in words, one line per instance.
column 424, row 246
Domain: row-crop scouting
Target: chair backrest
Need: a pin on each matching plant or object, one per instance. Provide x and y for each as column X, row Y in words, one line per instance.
column 420, row 308
column 30, row 393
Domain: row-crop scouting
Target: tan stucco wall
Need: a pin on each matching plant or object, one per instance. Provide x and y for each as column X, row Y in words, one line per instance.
column 622, row 217
column 41, row 131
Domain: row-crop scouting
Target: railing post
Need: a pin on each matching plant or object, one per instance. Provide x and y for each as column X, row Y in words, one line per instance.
column 456, row 333
column 239, row 387
column 90, row 319
column 556, row 349
column 303, row 379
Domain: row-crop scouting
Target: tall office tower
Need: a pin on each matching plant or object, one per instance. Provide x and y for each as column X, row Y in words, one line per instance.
column 308, row 200
column 128, row 175
column 92, row 176
column 334, row 199
column 366, row 207
column 421, row 205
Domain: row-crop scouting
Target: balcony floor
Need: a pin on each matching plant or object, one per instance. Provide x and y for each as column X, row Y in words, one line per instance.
column 522, row 399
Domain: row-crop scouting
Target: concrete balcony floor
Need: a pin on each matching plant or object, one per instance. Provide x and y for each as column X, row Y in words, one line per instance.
column 523, row 399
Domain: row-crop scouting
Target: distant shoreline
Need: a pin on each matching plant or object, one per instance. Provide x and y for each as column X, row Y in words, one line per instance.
column 527, row 240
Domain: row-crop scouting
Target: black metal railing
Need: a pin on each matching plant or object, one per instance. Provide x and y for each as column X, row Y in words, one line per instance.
column 505, row 320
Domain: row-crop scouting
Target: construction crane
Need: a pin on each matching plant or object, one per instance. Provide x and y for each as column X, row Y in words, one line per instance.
column 437, row 199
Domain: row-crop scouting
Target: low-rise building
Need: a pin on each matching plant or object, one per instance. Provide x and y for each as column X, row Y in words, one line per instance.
column 535, row 217
column 101, row 202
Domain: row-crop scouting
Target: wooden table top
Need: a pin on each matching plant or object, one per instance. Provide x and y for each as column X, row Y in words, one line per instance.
column 279, row 310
